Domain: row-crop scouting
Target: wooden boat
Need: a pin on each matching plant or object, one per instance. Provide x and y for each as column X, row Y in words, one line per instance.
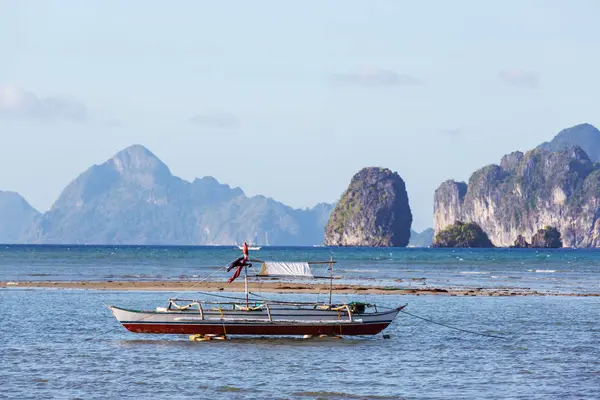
column 262, row 318
column 256, row 315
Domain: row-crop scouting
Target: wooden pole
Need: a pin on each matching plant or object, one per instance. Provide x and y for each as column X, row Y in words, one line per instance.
column 308, row 262
column 246, row 284
column 330, row 278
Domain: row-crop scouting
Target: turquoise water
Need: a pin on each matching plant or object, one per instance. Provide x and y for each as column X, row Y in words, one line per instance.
column 558, row 271
column 67, row 344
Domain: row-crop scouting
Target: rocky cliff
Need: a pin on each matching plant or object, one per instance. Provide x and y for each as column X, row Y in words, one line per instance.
column 133, row 198
column 549, row 237
column 16, row 216
column 525, row 193
column 373, row 211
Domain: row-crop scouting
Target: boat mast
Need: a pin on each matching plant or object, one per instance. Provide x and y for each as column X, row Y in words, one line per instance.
column 330, row 277
column 246, row 284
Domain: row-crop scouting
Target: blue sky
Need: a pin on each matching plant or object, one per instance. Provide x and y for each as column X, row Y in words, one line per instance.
column 290, row 99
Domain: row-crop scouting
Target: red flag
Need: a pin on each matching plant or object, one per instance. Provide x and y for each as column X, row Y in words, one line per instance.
column 236, row 274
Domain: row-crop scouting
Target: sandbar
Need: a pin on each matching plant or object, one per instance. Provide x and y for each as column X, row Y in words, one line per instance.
column 280, row 287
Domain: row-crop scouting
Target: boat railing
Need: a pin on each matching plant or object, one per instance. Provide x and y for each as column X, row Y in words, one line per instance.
column 173, row 305
column 257, row 305
column 256, row 301
column 349, row 312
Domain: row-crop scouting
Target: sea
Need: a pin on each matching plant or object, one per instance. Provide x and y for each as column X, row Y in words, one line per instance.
column 65, row 343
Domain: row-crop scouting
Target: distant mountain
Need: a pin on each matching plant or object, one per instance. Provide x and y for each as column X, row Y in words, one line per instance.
column 585, row 136
column 133, row 198
column 16, row 216
column 423, row 239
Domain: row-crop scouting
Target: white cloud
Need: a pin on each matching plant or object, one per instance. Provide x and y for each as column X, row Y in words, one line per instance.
column 218, row 119
column 376, row 77
column 17, row 102
column 519, row 77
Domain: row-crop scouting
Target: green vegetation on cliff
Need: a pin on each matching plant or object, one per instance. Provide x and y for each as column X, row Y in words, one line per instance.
column 462, row 235
column 373, row 211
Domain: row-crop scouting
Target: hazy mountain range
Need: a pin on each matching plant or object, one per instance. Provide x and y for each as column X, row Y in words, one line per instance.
column 16, row 217
column 133, row 198
column 586, row 136
column 421, row 239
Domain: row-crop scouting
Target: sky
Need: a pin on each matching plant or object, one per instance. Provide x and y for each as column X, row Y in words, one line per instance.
column 289, row 99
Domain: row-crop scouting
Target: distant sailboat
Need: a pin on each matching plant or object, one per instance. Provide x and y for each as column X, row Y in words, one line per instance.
column 256, row 247
column 253, row 247
column 250, row 247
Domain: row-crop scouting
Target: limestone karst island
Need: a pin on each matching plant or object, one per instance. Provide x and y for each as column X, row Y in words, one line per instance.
column 373, row 211
column 554, row 187
column 551, row 191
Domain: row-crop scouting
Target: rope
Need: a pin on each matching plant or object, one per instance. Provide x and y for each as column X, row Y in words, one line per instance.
column 286, row 302
column 102, row 333
column 229, row 297
column 452, row 327
column 208, row 276
column 223, row 322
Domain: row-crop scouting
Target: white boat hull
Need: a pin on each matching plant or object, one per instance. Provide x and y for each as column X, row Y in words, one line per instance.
column 272, row 320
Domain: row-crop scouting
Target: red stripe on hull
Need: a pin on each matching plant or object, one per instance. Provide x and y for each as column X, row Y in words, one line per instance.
column 204, row 329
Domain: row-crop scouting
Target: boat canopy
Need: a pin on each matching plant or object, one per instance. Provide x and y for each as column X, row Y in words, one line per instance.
column 284, row 268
